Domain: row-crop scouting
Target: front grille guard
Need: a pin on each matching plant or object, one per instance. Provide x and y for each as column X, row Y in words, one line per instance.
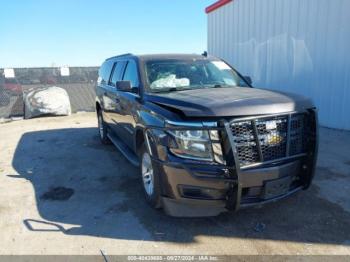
column 236, row 194
column 258, row 145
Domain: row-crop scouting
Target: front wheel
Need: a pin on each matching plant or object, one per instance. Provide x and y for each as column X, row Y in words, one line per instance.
column 102, row 128
column 150, row 179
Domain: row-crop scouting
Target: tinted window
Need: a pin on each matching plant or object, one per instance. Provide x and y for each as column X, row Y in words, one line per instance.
column 117, row 73
column 131, row 74
column 105, row 72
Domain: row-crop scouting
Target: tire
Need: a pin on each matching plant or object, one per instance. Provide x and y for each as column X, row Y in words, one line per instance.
column 102, row 128
column 150, row 179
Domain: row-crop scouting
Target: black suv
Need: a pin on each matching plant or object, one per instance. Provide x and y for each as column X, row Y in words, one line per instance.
column 205, row 140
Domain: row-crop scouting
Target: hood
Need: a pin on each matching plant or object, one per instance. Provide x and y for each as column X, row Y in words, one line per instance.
column 225, row 102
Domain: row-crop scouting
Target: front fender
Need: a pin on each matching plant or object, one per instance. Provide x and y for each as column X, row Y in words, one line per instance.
column 149, row 120
column 145, row 120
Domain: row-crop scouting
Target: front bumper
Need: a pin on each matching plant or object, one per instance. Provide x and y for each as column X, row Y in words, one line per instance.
column 194, row 188
column 205, row 190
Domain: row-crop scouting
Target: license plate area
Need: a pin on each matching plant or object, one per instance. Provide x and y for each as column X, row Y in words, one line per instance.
column 278, row 187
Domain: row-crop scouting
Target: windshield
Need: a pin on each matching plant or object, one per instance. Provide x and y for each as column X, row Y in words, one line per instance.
column 177, row 75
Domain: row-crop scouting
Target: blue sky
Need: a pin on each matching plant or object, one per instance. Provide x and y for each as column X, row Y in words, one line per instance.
column 84, row 32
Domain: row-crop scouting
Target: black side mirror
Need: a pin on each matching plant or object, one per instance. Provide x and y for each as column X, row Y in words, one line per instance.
column 124, row 86
column 248, row 79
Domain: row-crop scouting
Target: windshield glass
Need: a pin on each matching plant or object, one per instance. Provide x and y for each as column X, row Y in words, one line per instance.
column 177, row 75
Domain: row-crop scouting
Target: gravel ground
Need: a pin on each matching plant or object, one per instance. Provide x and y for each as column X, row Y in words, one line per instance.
column 62, row 192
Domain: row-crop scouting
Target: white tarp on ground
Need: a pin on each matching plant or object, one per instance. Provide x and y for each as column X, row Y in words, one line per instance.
column 47, row 101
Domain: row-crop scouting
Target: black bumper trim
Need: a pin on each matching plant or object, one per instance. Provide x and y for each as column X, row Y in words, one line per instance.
column 193, row 207
column 263, row 202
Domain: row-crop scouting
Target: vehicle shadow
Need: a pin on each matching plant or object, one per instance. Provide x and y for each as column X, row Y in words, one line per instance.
column 85, row 188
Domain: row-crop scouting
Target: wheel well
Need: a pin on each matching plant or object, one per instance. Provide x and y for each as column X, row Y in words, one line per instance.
column 98, row 107
column 140, row 139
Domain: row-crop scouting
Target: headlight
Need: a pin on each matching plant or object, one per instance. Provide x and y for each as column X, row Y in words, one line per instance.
column 194, row 144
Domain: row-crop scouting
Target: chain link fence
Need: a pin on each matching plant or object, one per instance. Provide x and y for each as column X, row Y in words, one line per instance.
column 79, row 83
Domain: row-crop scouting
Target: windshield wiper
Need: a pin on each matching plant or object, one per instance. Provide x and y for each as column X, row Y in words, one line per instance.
column 178, row 89
column 171, row 89
column 218, row 86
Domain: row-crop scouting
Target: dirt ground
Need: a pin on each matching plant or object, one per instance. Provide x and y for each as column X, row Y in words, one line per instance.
column 62, row 192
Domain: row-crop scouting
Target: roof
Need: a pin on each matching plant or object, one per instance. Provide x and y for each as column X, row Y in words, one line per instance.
column 170, row 56
column 150, row 57
column 120, row 56
column 217, row 5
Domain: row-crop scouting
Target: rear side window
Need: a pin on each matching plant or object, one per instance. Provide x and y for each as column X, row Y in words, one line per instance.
column 105, row 72
column 131, row 74
column 117, row 73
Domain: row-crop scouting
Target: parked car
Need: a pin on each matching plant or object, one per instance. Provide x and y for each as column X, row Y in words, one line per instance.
column 204, row 139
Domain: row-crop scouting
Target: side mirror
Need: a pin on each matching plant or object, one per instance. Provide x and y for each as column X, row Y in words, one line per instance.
column 124, row 86
column 248, row 80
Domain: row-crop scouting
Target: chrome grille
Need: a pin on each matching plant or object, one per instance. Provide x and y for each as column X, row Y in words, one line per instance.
column 267, row 139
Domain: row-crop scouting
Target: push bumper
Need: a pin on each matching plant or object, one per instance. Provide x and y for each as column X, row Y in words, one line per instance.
column 205, row 190
column 202, row 189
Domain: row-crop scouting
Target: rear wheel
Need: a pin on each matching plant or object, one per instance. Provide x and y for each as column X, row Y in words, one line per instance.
column 150, row 179
column 102, row 128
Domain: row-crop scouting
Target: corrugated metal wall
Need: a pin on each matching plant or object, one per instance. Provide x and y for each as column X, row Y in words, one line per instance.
column 300, row 46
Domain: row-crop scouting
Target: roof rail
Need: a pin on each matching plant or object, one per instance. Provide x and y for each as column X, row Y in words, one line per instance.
column 118, row 56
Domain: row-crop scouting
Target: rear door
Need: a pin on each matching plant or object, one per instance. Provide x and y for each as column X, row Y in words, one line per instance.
column 102, row 88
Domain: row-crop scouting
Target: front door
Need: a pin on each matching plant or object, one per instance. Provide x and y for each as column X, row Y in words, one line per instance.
column 128, row 105
column 113, row 97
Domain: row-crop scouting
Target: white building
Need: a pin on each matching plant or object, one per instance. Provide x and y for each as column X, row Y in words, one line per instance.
column 300, row 46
